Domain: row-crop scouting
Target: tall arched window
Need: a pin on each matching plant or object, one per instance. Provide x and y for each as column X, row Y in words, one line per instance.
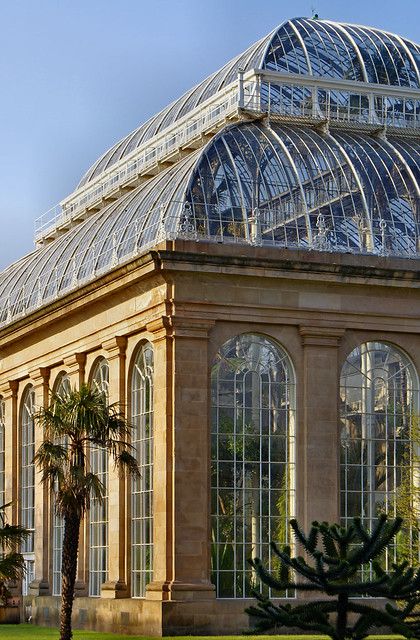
column 379, row 405
column 2, row 446
column 252, row 470
column 27, row 483
column 62, row 387
column 98, row 520
column 142, row 487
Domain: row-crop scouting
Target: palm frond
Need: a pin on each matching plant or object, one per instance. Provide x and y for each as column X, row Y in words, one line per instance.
column 12, row 566
column 75, row 421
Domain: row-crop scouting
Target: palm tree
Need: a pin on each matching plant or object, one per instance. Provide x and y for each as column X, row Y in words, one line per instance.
column 12, row 563
column 75, row 421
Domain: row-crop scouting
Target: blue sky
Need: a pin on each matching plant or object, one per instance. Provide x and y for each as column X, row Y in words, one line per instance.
column 77, row 75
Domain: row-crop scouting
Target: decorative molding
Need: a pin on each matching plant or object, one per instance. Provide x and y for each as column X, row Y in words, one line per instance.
column 191, row 327
column 321, row 336
column 160, row 328
column 76, row 363
column 40, row 376
column 115, row 347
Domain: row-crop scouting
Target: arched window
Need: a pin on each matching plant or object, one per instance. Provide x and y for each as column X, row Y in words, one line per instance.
column 2, row 446
column 142, row 487
column 252, row 469
column 98, row 520
column 379, row 405
column 27, row 483
column 62, row 387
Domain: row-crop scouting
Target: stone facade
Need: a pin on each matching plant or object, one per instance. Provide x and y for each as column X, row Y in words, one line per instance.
column 187, row 299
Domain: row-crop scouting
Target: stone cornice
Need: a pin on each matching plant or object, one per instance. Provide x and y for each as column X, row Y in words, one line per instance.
column 73, row 301
column 185, row 256
column 387, row 271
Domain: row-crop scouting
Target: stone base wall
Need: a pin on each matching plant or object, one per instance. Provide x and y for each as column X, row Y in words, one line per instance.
column 146, row 617
column 10, row 615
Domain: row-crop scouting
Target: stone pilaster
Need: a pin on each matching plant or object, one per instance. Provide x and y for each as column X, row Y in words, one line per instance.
column 40, row 585
column 9, row 394
column 116, row 586
column 320, row 499
column 182, row 458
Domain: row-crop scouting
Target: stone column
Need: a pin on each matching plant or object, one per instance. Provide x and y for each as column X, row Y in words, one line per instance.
column 10, row 397
column 9, row 394
column 116, row 587
column 75, row 367
column 320, row 421
column 40, row 585
column 182, row 460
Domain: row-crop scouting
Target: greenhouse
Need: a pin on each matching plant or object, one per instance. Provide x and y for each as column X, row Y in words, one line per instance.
column 240, row 274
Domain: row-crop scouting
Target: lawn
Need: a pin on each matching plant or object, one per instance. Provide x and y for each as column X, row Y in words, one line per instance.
column 29, row 631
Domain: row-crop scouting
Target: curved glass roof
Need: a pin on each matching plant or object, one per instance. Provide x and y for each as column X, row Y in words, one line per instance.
column 303, row 46
column 278, row 185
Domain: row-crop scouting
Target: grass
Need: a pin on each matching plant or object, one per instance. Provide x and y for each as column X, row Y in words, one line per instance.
column 29, row 631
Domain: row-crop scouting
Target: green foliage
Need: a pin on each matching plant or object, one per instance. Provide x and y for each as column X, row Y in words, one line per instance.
column 406, row 502
column 75, row 422
column 12, row 564
column 333, row 559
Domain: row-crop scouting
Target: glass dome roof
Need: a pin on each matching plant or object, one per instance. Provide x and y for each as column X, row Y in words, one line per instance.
column 254, row 183
column 304, row 46
column 347, row 187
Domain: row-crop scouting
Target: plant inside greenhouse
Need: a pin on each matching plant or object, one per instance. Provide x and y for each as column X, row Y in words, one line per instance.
column 333, row 569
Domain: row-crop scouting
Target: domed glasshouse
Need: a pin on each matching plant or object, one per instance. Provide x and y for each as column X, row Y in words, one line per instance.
column 240, row 273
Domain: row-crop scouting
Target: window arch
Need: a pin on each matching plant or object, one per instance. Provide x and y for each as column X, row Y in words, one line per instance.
column 98, row 515
column 378, row 409
column 252, row 468
column 2, row 451
column 142, row 487
column 27, row 483
column 61, row 387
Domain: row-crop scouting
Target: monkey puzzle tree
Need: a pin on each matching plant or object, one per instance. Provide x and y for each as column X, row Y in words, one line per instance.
column 75, row 421
column 334, row 559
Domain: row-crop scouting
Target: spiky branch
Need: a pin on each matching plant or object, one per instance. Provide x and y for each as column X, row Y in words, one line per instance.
column 334, row 558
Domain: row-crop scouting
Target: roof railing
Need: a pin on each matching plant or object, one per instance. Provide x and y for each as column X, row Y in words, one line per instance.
column 258, row 92
column 285, row 225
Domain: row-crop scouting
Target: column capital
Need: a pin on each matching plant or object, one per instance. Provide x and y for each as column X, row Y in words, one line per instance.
column 191, row 327
column 9, row 388
column 160, row 328
column 40, row 375
column 14, row 387
column 115, row 347
column 75, row 365
column 321, row 336
column 76, row 360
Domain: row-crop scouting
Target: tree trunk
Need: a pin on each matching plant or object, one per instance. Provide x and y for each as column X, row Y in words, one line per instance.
column 68, row 570
column 341, row 625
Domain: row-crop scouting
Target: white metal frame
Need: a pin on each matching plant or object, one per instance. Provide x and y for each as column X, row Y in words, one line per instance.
column 379, row 398
column 244, row 94
column 62, row 386
column 2, row 451
column 27, row 483
column 142, row 487
column 252, row 459
column 98, row 512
